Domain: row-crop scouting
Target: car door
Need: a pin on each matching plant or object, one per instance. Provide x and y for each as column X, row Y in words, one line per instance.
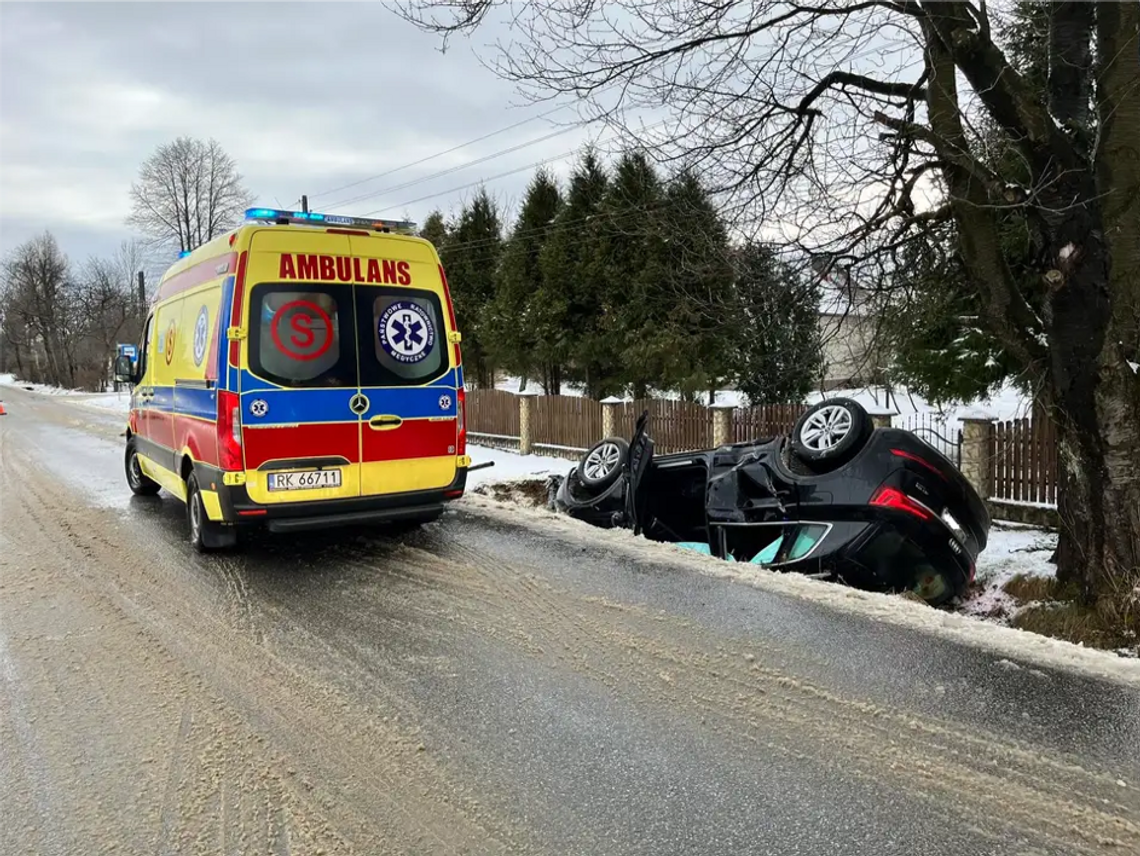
column 407, row 381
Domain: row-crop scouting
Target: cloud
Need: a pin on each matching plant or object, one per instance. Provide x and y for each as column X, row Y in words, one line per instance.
column 305, row 97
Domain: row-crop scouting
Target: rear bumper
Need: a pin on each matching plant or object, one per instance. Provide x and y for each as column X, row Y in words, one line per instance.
column 423, row 505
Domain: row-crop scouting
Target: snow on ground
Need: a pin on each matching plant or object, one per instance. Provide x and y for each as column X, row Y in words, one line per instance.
column 1012, row 550
column 114, row 401
column 510, row 466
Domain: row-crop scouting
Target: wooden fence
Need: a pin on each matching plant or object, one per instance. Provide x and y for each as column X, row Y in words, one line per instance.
column 493, row 417
column 770, row 420
column 1023, row 461
column 676, row 426
column 564, row 423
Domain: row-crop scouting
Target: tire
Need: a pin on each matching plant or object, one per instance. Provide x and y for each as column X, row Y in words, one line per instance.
column 601, row 466
column 205, row 535
column 932, row 586
column 137, row 481
column 831, row 433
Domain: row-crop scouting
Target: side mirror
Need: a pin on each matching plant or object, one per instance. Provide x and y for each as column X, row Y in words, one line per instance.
column 124, row 369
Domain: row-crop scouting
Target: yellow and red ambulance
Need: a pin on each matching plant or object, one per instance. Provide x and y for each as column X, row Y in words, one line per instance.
column 301, row 371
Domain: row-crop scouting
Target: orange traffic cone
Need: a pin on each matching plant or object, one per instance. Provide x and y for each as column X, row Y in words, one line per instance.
column 3, row 412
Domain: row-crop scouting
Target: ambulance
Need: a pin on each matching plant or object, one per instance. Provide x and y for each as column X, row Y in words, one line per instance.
column 299, row 372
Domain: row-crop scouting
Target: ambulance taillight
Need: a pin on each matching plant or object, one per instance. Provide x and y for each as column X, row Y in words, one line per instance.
column 461, row 421
column 229, row 431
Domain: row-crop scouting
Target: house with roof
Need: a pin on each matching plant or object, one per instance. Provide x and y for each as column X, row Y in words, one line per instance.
column 848, row 329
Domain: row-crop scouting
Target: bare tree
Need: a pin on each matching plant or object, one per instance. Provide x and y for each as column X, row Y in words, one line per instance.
column 35, row 295
column 188, row 192
column 859, row 124
column 108, row 309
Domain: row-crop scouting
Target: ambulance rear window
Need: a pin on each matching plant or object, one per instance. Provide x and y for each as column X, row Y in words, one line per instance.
column 303, row 337
column 405, row 338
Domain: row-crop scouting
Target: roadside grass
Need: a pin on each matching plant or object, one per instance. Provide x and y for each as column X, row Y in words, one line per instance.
column 1052, row 608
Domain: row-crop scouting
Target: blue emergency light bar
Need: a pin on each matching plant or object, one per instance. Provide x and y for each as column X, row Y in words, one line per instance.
column 280, row 217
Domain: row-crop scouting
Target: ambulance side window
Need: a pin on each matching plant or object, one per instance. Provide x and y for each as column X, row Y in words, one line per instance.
column 144, row 346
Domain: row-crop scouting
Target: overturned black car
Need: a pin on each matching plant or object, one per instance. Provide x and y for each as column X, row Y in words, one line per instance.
column 875, row 508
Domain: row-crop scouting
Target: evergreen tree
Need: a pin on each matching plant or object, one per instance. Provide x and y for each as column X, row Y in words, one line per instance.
column 697, row 307
column 568, row 305
column 775, row 354
column 435, row 229
column 516, row 338
column 939, row 347
column 635, row 336
column 471, row 258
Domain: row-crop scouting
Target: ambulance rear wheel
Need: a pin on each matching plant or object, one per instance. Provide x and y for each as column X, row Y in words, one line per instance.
column 137, row 481
column 206, row 535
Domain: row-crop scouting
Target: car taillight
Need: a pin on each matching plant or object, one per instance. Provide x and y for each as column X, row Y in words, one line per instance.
column 229, row 431
column 899, row 453
column 889, row 497
column 461, row 422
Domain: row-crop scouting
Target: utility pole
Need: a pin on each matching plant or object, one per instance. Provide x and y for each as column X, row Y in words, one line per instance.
column 305, row 204
column 142, row 293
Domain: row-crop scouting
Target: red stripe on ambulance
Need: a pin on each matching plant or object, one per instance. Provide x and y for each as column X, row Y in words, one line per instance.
column 344, row 269
column 416, row 438
column 300, row 441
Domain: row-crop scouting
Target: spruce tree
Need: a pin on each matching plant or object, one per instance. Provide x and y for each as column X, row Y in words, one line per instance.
column 471, row 258
column 568, row 306
column 516, row 333
column 775, row 353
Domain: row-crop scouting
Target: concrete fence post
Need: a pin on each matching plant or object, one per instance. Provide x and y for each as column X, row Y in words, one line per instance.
column 977, row 436
column 881, row 417
column 610, row 415
column 722, row 424
column 526, row 422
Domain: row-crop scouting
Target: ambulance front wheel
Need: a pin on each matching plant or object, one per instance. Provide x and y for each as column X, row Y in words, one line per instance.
column 137, row 481
column 206, row 535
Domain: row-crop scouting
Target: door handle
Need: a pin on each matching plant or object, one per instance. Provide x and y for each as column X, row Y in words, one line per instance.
column 384, row 423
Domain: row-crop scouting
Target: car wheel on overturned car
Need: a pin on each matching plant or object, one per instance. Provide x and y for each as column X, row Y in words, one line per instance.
column 830, row 433
column 932, row 586
column 601, row 465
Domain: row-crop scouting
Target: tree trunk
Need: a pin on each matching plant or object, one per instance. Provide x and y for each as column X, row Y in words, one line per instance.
column 1096, row 402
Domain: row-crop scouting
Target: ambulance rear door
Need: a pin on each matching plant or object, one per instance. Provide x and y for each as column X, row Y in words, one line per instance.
column 299, row 392
column 407, row 379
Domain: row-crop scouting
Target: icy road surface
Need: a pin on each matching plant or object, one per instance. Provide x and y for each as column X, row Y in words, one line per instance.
column 482, row 687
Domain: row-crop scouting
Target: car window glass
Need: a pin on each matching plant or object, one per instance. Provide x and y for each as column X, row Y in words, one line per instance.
column 406, row 336
column 303, row 338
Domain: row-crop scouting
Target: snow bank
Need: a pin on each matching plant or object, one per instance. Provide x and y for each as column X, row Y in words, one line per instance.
column 998, row 639
column 510, row 466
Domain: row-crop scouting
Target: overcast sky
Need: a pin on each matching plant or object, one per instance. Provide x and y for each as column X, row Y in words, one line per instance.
column 306, row 97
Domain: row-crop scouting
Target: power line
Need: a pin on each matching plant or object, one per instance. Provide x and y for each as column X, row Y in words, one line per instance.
column 515, row 171
column 457, row 168
column 518, row 124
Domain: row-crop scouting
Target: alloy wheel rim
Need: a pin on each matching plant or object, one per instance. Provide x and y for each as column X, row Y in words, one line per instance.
column 602, row 461
column 826, row 428
column 195, row 516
